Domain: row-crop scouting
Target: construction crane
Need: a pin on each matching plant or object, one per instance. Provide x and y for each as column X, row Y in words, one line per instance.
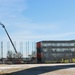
column 9, row 37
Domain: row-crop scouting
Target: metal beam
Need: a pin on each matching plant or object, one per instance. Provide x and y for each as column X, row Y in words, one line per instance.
column 8, row 36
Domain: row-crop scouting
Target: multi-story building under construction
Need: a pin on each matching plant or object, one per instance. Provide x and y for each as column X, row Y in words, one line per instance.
column 55, row 51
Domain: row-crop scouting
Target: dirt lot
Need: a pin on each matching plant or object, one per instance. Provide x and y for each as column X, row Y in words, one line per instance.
column 38, row 69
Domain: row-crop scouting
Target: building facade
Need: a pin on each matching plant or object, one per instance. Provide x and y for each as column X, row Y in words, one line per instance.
column 55, row 51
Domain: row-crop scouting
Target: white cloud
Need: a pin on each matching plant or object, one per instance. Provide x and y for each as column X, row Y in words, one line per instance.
column 12, row 8
column 31, row 31
column 22, row 28
column 22, row 36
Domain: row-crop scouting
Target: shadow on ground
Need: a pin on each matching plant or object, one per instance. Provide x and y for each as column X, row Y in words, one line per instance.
column 41, row 70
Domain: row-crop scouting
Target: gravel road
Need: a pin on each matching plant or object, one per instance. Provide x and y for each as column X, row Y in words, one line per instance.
column 42, row 69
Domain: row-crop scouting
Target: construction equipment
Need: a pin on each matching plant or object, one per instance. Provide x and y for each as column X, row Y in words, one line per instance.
column 18, row 59
column 9, row 37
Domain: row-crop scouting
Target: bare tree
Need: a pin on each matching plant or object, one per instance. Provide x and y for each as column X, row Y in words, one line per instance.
column 18, row 55
column 11, row 55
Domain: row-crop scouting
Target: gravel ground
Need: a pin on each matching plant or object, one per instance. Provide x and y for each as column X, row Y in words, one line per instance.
column 38, row 69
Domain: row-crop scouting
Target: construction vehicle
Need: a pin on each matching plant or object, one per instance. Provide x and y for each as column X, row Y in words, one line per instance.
column 18, row 59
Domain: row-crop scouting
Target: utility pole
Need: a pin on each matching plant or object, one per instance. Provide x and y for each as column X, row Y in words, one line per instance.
column 21, row 48
column 2, row 51
column 8, row 46
column 28, row 49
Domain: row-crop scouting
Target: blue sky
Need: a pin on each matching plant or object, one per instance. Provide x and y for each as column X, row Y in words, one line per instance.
column 36, row 20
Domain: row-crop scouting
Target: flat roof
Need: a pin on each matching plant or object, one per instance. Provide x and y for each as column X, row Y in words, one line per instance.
column 58, row 41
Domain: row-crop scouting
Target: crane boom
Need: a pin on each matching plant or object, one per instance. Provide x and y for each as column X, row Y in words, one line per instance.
column 9, row 37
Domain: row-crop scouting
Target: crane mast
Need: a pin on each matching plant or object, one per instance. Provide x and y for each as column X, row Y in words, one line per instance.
column 9, row 37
